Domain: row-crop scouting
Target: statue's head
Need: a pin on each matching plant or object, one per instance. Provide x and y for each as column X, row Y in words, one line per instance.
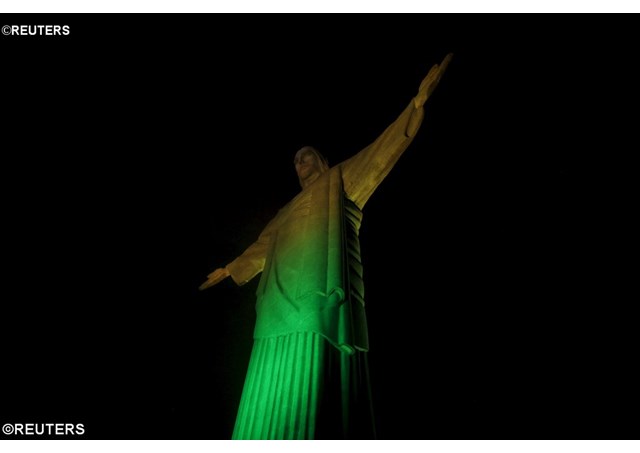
column 309, row 165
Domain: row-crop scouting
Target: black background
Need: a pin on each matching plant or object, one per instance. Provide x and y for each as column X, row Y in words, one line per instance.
column 142, row 152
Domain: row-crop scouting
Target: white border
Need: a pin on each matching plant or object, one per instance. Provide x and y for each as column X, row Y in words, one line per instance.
column 308, row 6
column 430, row 446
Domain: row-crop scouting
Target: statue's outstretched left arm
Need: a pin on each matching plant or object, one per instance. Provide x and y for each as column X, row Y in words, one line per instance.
column 247, row 265
column 365, row 171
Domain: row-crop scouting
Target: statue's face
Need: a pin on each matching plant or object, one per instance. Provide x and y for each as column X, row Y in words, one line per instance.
column 307, row 164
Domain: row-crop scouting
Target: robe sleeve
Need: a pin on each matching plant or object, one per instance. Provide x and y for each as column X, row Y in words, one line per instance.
column 363, row 172
column 253, row 259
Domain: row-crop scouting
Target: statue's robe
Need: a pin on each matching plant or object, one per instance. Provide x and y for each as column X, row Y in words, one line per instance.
column 308, row 376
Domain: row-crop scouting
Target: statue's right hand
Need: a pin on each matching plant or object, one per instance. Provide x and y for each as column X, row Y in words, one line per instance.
column 214, row 278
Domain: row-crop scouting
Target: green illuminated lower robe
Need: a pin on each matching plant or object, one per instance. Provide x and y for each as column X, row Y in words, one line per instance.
column 308, row 374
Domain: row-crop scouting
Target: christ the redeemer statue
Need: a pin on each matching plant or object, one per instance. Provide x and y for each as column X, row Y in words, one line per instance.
column 308, row 374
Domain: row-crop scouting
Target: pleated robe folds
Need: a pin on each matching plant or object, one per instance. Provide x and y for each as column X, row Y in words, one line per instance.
column 308, row 375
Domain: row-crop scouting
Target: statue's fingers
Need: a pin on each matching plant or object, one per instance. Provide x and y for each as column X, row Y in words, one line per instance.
column 430, row 76
column 435, row 74
column 445, row 63
column 217, row 279
column 430, row 88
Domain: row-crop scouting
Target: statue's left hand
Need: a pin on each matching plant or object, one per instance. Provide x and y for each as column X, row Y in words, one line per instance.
column 430, row 82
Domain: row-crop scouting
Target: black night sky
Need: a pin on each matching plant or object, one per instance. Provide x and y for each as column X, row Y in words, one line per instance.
column 142, row 152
